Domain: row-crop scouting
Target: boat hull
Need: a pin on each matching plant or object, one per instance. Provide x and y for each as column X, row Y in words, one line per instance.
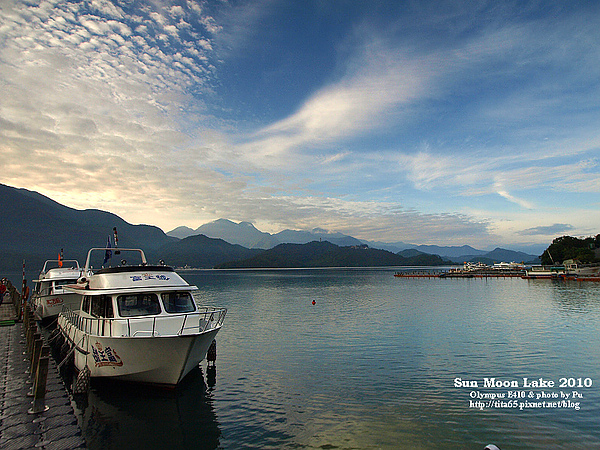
column 161, row 360
column 49, row 306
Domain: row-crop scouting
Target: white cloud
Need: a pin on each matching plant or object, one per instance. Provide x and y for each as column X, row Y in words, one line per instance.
column 360, row 102
column 511, row 198
column 107, row 8
column 87, row 108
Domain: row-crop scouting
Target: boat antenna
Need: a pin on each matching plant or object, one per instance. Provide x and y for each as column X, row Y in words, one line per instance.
column 550, row 255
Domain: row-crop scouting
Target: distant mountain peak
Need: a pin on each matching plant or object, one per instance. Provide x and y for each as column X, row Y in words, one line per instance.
column 181, row 232
column 243, row 233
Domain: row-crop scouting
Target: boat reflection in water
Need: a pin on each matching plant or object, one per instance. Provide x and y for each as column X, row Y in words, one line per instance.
column 116, row 415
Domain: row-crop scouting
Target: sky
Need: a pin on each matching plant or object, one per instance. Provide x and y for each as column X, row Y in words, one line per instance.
column 426, row 122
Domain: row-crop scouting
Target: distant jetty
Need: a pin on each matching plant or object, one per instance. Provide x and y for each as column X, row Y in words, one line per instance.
column 469, row 270
column 570, row 270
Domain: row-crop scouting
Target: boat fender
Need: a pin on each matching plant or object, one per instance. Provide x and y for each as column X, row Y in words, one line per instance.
column 82, row 383
column 211, row 355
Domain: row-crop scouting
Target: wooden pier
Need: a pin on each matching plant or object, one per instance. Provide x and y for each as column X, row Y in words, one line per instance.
column 35, row 407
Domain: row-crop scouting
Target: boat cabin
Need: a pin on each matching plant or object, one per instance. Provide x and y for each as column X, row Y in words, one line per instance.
column 137, row 304
column 55, row 275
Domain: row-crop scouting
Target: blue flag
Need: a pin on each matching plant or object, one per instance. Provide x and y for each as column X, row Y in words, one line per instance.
column 108, row 253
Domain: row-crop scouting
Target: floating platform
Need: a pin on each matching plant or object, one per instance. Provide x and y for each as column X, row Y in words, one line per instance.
column 463, row 274
column 53, row 428
column 492, row 274
column 415, row 274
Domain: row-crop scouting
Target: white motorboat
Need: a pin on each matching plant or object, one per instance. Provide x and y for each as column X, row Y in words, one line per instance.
column 49, row 295
column 578, row 271
column 544, row 272
column 138, row 323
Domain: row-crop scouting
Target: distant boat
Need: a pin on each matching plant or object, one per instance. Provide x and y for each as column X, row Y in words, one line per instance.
column 138, row 322
column 49, row 295
column 576, row 270
column 546, row 272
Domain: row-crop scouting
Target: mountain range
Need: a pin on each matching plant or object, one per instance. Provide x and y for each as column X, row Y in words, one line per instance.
column 35, row 228
column 326, row 254
column 247, row 235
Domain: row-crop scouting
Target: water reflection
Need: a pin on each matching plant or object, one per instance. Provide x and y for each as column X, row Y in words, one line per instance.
column 121, row 415
column 576, row 296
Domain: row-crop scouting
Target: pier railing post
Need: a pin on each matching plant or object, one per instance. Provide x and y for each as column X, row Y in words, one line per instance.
column 37, row 351
column 30, row 331
column 25, row 316
column 26, row 322
column 39, row 390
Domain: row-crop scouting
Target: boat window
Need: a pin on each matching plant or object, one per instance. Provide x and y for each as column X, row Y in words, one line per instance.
column 85, row 305
column 46, row 287
column 138, row 305
column 63, row 282
column 178, row 302
column 102, row 306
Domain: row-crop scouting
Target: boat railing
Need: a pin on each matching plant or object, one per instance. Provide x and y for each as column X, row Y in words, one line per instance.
column 59, row 264
column 205, row 319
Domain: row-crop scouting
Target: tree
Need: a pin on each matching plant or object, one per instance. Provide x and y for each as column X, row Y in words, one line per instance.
column 568, row 247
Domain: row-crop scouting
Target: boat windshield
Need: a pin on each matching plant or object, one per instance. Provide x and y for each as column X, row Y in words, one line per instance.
column 101, row 306
column 178, row 302
column 59, row 283
column 43, row 288
column 134, row 305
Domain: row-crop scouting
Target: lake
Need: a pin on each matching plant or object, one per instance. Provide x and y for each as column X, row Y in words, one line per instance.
column 377, row 362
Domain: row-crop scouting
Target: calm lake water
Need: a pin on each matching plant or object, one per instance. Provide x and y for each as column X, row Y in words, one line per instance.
column 372, row 365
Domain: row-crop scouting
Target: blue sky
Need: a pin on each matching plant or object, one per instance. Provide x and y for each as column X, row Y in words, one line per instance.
column 428, row 122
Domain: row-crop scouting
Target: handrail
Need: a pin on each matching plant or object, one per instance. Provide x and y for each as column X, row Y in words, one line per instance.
column 209, row 318
column 115, row 249
column 64, row 262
